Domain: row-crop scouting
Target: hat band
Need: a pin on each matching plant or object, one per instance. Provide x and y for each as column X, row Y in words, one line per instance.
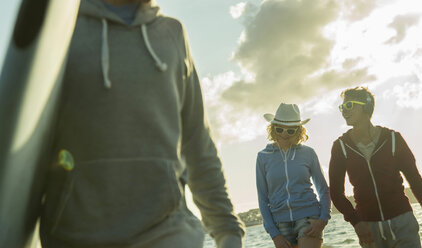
column 285, row 121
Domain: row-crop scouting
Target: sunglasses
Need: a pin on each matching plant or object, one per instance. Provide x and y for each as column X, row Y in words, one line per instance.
column 290, row 131
column 349, row 105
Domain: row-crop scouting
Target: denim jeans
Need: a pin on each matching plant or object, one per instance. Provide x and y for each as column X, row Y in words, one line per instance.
column 293, row 230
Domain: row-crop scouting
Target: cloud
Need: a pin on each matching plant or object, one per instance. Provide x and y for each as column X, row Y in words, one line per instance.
column 354, row 10
column 417, row 53
column 407, row 93
column 284, row 47
column 350, row 63
column 303, row 50
column 401, row 24
column 228, row 123
column 237, row 10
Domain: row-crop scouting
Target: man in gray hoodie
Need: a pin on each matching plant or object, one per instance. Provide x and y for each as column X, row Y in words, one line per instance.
column 131, row 124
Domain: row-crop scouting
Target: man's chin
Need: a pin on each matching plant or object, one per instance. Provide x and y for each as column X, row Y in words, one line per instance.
column 349, row 123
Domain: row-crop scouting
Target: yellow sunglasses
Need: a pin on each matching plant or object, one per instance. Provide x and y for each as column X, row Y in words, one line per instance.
column 349, row 105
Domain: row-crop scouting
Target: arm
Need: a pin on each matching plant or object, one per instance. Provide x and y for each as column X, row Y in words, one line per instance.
column 205, row 175
column 407, row 164
column 337, row 172
column 262, row 189
column 321, row 187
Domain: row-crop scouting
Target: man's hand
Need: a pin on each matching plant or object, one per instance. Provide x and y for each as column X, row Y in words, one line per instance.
column 364, row 233
column 281, row 242
column 315, row 228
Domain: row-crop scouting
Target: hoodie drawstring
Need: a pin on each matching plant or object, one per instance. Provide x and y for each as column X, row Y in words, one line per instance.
column 382, row 230
column 105, row 57
column 391, row 230
column 160, row 65
column 294, row 154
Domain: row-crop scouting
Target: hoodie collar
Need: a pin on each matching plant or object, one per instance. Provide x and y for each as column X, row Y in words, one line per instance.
column 146, row 13
column 272, row 148
column 347, row 138
column 289, row 154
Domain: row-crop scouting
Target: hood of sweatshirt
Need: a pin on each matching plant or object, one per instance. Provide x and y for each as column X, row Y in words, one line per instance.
column 146, row 13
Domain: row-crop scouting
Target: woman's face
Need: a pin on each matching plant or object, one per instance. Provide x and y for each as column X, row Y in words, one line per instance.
column 286, row 133
column 352, row 111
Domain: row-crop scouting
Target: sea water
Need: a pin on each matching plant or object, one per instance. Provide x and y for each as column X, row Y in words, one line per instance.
column 338, row 233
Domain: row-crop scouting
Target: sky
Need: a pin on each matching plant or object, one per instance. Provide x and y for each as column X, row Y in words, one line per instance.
column 253, row 55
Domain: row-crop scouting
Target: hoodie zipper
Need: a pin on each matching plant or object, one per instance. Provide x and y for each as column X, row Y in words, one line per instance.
column 376, row 189
column 372, row 176
column 287, row 183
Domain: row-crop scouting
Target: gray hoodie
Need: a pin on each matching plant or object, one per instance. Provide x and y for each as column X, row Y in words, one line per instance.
column 131, row 122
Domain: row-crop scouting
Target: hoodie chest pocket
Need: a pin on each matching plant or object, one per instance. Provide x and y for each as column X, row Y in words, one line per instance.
column 114, row 200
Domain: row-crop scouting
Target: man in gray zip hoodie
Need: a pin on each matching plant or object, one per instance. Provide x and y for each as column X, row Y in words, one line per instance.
column 131, row 124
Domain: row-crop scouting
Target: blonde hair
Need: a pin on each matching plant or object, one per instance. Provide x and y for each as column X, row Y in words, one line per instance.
column 299, row 137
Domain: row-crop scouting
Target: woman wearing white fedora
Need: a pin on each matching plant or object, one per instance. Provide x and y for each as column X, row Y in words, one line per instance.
column 292, row 214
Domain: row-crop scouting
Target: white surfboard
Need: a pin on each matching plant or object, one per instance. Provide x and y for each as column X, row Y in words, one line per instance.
column 30, row 83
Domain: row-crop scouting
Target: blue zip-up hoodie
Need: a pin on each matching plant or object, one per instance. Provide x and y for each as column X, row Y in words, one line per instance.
column 283, row 181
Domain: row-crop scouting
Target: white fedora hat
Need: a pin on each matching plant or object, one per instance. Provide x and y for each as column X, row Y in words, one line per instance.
column 287, row 114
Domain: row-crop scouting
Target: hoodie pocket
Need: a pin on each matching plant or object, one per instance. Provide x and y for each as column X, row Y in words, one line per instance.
column 115, row 200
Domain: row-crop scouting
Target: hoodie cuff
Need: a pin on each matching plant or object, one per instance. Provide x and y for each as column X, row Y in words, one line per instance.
column 229, row 240
column 325, row 217
column 274, row 232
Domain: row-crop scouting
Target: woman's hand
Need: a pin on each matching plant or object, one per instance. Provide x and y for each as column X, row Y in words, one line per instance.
column 364, row 233
column 281, row 242
column 315, row 228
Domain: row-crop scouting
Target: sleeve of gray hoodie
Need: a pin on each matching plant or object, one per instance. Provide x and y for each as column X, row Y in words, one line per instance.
column 205, row 175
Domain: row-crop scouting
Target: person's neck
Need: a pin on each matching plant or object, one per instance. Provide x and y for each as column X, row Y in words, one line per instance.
column 283, row 144
column 363, row 132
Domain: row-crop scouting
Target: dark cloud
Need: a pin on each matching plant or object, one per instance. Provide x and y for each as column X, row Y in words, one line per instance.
column 350, row 63
column 285, row 48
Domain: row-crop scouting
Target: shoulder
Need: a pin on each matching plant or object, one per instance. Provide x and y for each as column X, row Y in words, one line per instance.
column 172, row 25
column 171, row 22
column 343, row 138
column 389, row 133
column 304, row 149
column 267, row 150
column 388, row 130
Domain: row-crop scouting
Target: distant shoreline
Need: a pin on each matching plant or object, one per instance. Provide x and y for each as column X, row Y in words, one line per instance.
column 253, row 216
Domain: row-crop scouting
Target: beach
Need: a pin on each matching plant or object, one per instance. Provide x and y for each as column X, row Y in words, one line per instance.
column 337, row 233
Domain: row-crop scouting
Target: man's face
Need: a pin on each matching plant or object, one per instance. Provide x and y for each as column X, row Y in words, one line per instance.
column 352, row 111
